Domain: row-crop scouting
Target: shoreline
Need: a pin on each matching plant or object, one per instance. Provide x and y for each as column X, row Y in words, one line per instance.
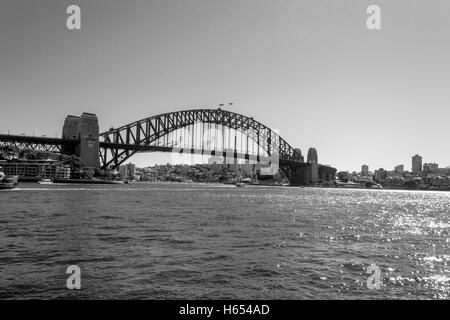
column 113, row 182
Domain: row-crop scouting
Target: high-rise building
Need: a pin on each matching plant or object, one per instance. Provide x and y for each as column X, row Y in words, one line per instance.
column 416, row 164
column 364, row 170
column 399, row 169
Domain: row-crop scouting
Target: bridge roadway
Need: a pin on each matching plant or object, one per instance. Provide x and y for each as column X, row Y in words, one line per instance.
column 34, row 139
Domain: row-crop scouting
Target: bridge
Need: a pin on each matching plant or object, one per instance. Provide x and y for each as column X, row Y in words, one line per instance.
column 211, row 132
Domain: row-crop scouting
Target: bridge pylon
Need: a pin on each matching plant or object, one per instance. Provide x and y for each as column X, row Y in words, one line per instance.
column 86, row 131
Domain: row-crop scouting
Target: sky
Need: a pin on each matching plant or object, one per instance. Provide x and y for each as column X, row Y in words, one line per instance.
column 310, row 69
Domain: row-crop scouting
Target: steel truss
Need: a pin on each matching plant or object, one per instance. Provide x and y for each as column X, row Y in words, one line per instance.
column 118, row 145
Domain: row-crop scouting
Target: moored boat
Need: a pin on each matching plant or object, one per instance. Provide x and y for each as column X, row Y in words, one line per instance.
column 46, row 181
column 8, row 182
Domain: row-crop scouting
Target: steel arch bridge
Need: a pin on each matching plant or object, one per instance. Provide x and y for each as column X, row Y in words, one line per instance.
column 215, row 132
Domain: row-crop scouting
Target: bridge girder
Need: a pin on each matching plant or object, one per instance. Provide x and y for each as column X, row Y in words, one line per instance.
column 34, row 143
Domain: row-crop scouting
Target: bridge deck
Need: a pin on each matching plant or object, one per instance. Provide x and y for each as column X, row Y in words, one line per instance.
column 132, row 147
column 33, row 139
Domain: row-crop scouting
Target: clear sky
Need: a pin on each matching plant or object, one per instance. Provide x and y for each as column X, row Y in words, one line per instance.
column 308, row 68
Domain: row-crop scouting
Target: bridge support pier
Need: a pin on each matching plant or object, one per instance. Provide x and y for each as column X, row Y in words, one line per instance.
column 85, row 130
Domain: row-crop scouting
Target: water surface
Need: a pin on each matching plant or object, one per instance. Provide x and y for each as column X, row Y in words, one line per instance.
column 199, row 241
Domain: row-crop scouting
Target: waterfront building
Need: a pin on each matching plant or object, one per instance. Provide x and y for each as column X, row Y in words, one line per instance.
column 131, row 169
column 364, row 179
column 364, row 170
column 127, row 171
column 416, row 164
column 438, row 181
column 380, row 175
column 396, row 181
column 37, row 169
column 442, row 171
column 432, row 169
column 123, row 171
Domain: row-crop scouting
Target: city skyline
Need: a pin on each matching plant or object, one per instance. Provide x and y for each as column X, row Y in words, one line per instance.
column 403, row 167
column 311, row 70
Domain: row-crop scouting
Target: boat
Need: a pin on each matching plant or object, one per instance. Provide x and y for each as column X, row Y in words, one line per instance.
column 373, row 185
column 46, row 181
column 240, row 183
column 8, row 182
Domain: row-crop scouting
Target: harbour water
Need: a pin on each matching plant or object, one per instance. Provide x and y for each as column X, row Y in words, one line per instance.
column 189, row 241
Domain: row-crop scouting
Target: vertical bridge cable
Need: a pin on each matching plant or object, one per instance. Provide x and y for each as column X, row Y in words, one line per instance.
column 223, row 139
column 229, row 136
column 209, row 137
column 172, row 135
column 165, row 139
column 246, row 149
column 216, row 138
column 240, row 134
column 193, row 135
column 188, row 136
column 203, row 137
column 253, row 142
column 159, row 134
column 235, row 141
column 257, row 145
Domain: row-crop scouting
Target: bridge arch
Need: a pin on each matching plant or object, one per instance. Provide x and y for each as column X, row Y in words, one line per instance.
column 118, row 145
